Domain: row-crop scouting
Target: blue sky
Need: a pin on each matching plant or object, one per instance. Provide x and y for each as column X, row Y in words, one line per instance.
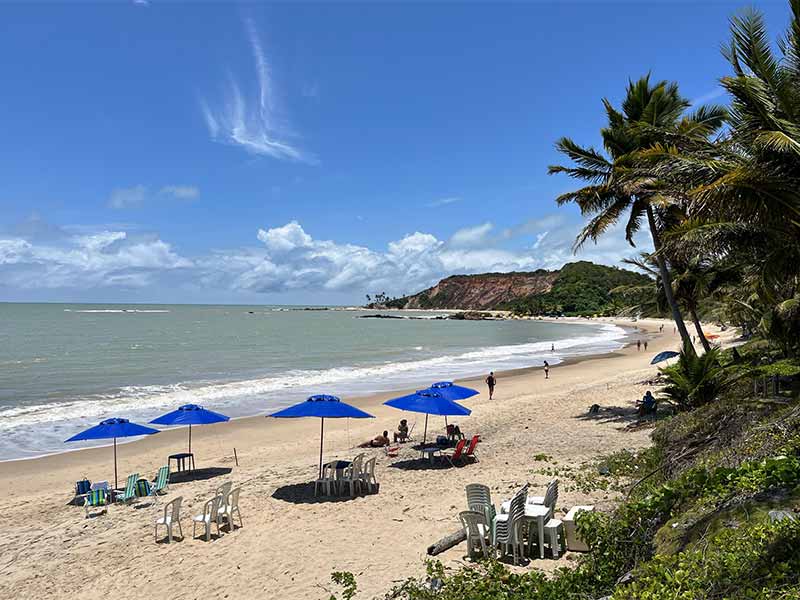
column 312, row 153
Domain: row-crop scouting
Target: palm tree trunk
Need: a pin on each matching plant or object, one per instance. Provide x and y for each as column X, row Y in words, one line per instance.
column 666, row 280
column 698, row 327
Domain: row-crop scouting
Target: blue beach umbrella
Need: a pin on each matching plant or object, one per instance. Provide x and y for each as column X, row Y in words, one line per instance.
column 451, row 391
column 661, row 356
column 113, row 428
column 430, row 402
column 324, row 407
column 190, row 414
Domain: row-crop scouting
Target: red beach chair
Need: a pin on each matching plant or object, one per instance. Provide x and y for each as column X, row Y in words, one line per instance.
column 457, row 453
column 471, row 450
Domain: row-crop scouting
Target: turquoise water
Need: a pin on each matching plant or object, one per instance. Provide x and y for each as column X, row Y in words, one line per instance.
column 65, row 367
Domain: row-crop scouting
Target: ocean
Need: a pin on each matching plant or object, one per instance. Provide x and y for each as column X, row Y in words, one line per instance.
column 64, row 367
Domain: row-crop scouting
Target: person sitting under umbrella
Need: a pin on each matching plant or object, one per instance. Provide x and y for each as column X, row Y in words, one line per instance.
column 379, row 441
column 401, row 435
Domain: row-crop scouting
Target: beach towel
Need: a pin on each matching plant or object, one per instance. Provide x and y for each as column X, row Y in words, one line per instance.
column 142, row 488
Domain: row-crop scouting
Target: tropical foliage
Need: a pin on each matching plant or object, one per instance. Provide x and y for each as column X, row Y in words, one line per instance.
column 695, row 380
column 582, row 289
column 718, row 190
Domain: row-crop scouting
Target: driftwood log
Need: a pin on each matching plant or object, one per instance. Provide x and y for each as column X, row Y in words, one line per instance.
column 447, row 542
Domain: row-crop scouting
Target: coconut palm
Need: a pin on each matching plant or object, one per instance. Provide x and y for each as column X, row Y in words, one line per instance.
column 651, row 116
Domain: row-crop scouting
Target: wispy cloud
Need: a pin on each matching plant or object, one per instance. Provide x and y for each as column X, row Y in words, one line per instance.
column 181, row 192
column 252, row 121
column 444, row 201
column 717, row 92
column 136, row 196
column 127, row 197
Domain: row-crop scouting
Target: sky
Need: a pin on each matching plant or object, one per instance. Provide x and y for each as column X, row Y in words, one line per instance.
column 313, row 153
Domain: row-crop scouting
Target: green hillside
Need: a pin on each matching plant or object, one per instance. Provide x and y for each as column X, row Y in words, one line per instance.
column 581, row 288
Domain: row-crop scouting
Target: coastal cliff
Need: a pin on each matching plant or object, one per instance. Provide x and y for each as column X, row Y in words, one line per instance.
column 579, row 288
column 483, row 292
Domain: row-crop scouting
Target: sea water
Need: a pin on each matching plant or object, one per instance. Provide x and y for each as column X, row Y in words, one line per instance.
column 66, row 367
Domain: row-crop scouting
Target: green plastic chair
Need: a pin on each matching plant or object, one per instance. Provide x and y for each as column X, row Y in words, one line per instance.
column 161, row 482
column 129, row 495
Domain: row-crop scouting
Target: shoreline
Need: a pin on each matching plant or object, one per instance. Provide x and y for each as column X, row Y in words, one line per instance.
column 396, row 389
column 368, row 399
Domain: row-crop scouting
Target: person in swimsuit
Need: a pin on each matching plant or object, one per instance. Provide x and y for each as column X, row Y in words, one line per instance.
column 491, row 381
column 546, row 370
column 379, row 441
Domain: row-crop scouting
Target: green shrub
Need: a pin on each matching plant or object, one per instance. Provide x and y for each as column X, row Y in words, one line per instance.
column 695, row 379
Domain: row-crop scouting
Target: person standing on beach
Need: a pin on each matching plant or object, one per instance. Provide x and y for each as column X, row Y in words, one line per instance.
column 645, row 345
column 638, row 345
column 490, row 381
column 546, row 370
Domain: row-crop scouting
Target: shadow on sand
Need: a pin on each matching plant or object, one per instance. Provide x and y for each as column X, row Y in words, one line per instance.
column 423, row 464
column 303, row 493
column 198, row 474
column 626, row 415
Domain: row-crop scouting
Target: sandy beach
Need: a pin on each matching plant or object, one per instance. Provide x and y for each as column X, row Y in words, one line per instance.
column 291, row 542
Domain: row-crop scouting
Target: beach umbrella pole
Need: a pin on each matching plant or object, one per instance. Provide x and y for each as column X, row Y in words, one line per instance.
column 115, row 464
column 190, row 438
column 425, row 433
column 321, row 434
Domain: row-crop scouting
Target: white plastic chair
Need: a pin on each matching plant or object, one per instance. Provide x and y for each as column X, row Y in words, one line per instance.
column 224, row 489
column 172, row 515
column 210, row 515
column 327, row 482
column 477, row 530
column 368, row 475
column 229, row 507
column 542, row 509
column 352, row 475
column 508, row 526
column 479, row 499
column 550, row 495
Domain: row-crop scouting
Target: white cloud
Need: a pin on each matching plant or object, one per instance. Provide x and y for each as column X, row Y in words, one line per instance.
column 101, row 259
column 472, row 236
column 138, row 195
column 252, row 123
column 128, row 197
column 444, row 201
column 289, row 259
column 717, row 92
column 181, row 192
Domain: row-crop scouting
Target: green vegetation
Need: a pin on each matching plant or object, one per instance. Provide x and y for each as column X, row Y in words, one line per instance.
column 712, row 510
column 695, row 380
column 581, row 289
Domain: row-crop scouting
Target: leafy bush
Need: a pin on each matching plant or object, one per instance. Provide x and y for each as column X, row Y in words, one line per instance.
column 695, row 380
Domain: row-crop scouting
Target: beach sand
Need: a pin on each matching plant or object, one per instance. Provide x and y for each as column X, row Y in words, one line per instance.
column 290, row 542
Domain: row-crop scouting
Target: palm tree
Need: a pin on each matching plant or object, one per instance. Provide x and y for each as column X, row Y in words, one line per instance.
column 743, row 191
column 651, row 116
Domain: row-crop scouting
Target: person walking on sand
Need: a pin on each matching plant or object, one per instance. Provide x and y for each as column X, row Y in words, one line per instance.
column 490, row 381
column 645, row 345
column 638, row 345
column 546, row 370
